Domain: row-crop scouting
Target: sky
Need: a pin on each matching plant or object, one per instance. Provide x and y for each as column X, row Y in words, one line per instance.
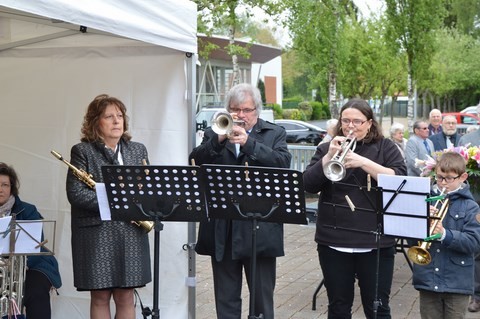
column 369, row 6
column 366, row 7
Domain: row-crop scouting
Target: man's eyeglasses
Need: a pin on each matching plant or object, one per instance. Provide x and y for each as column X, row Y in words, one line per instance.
column 355, row 122
column 448, row 179
column 423, row 128
column 4, row 185
column 245, row 111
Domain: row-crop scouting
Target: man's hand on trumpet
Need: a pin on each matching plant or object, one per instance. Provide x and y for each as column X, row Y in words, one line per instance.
column 237, row 135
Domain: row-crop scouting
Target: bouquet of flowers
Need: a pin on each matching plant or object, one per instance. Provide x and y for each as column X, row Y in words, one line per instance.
column 471, row 154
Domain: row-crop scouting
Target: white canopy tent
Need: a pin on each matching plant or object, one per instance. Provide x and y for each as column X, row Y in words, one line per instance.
column 55, row 57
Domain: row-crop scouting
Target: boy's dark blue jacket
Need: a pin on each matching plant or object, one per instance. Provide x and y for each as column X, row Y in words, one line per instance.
column 46, row 264
column 453, row 259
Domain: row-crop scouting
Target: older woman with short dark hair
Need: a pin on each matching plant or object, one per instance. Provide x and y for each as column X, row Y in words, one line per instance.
column 42, row 273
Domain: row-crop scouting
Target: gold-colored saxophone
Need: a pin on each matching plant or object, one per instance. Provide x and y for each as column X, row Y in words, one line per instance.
column 88, row 179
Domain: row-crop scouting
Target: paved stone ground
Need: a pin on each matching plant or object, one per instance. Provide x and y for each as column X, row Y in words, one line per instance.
column 298, row 275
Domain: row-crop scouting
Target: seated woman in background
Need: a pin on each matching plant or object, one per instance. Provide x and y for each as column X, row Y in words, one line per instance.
column 42, row 270
column 396, row 135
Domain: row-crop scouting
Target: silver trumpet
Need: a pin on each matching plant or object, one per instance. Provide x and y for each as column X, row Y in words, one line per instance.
column 334, row 169
column 223, row 122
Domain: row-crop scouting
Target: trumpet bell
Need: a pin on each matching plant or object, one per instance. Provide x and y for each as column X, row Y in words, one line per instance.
column 222, row 123
column 419, row 255
column 334, row 171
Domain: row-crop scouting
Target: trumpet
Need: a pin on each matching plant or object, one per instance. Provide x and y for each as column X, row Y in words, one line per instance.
column 419, row 254
column 334, row 169
column 223, row 122
column 88, row 179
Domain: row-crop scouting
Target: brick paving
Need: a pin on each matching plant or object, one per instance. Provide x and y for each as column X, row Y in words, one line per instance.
column 298, row 275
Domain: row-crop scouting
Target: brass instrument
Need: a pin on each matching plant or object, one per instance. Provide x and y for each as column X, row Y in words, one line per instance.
column 88, row 179
column 79, row 173
column 223, row 122
column 334, row 169
column 419, row 254
column 12, row 274
column 145, row 224
column 12, row 278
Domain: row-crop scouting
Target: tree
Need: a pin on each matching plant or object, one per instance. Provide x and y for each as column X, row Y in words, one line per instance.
column 316, row 27
column 215, row 14
column 411, row 25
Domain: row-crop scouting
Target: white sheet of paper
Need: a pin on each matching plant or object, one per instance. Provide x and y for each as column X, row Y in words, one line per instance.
column 4, row 241
column 408, row 204
column 26, row 244
column 103, row 201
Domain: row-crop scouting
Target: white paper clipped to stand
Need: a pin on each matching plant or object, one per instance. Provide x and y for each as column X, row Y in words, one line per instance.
column 28, row 235
column 103, row 201
column 411, row 205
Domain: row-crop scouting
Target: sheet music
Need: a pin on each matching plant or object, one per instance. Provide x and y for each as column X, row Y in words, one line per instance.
column 103, row 201
column 27, row 236
column 25, row 244
column 4, row 232
column 411, row 205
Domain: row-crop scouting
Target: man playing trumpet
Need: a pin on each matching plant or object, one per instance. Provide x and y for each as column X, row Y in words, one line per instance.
column 446, row 283
column 228, row 242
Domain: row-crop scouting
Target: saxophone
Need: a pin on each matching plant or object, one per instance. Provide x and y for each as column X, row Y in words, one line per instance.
column 88, row 179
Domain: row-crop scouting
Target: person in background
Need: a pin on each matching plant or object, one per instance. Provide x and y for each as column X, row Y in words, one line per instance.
column 396, row 135
column 435, row 119
column 110, row 258
column 473, row 139
column 228, row 242
column 418, row 147
column 346, row 254
column 42, row 273
column 445, row 284
column 471, row 128
column 331, row 125
column 448, row 137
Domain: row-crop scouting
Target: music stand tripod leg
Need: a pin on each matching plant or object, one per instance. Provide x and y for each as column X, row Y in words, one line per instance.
column 253, row 272
column 156, row 269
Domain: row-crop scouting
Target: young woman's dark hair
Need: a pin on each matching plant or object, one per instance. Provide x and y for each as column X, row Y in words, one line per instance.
column 374, row 134
column 12, row 175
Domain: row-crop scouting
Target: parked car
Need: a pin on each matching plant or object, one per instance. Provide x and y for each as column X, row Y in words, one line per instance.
column 470, row 110
column 301, row 132
column 464, row 120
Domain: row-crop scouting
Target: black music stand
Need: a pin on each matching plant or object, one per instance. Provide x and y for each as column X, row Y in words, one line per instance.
column 18, row 241
column 255, row 194
column 375, row 196
column 156, row 193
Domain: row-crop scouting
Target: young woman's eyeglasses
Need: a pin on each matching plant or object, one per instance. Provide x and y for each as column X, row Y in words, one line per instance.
column 355, row 122
column 448, row 179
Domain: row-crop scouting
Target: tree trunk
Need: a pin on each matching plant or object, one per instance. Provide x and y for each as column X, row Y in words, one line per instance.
column 410, row 110
column 332, row 94
column 236, row 69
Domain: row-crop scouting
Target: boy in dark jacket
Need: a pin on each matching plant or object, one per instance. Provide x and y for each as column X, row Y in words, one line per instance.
column 446, row 283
